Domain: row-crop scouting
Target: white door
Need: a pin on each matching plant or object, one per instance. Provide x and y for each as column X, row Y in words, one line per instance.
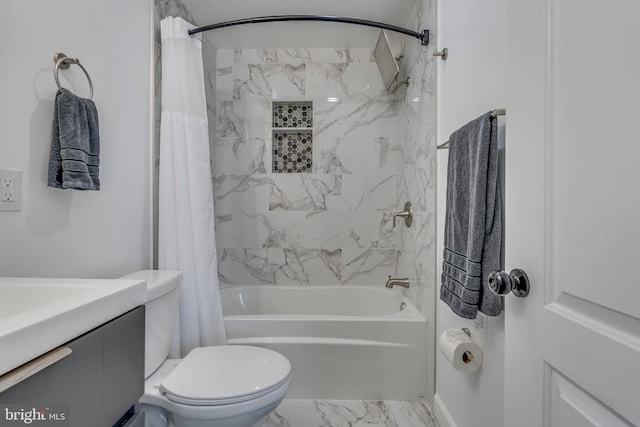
column 573, row 212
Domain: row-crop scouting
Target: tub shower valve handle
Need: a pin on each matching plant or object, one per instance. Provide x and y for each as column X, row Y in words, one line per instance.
column 501, row 283
column 407, row 214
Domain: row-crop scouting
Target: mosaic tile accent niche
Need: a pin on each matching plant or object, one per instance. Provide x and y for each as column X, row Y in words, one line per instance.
column 292, row 152
column 292, row 114
column 292, row 137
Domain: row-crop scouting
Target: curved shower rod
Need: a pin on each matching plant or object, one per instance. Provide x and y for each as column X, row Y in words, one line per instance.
column 423, row 36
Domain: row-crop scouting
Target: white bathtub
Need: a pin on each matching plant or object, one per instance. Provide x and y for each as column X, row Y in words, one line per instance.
column 343, row 342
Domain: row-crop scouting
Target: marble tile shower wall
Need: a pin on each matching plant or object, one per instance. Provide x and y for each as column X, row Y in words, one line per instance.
column 416, row 134
column 417, row 176
column 328, row 227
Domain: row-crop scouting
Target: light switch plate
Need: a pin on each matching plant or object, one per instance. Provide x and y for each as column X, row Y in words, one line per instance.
column 10, row 190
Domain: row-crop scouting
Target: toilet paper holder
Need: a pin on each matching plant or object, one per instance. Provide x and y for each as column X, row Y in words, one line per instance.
column 460, row 350
column 467, row 356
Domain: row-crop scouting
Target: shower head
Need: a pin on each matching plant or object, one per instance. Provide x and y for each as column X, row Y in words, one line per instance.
column 387, row 64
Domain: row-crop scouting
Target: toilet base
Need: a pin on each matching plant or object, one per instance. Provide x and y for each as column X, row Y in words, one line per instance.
column 158, row 417
column 154, row 416
column 250, row 419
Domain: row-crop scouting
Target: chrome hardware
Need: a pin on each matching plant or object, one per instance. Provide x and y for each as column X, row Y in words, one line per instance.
column 399, row 85
column 494, row 113
column 407, row 214
column 501, row 283
column 64, row 62
column 403, row 305
column 444, row 53
column 498, row 112
column 466, row 331
column 404, row 282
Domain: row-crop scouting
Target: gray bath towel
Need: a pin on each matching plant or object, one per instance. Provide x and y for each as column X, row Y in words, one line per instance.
column 75, row 143
column 473, row 220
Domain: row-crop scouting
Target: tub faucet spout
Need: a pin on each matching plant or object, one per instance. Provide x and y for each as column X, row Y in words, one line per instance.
column 404, row 282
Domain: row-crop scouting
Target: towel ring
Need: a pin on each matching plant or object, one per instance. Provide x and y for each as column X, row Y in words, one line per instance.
column 62, row 61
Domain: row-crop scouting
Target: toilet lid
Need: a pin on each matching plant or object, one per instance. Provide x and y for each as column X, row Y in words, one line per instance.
column 225, row 374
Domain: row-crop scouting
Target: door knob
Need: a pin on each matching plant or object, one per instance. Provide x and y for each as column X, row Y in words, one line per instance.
column 501, row 283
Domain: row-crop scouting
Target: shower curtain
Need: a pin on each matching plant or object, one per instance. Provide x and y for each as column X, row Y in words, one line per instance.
column 186, row 236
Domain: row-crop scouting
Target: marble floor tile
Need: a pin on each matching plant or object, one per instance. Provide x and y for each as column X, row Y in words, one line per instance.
column 405, row 414
column 350, row 413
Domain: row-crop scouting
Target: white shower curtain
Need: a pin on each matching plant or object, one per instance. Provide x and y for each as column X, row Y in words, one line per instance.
column 186, row 236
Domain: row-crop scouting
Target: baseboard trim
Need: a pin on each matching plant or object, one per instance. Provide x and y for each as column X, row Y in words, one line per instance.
column 442, row 413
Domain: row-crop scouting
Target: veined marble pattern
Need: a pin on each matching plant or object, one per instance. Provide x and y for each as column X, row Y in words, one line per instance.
column 370, row 155
column 269, row 81
column 331, row 226
column 305, row 266
column 416, row 129
column 351, row 114
column 343, row 229
column 305, row 192
column 355, row 137
column 172, row 8
column 237, row 155
column 296, row 56
column 241, row 192
column 246, row 119
column 243, row 266
column 350, row 413
column 368, row 267
column 344, row 81
column 271, row 248
column 369, row 192
column 279, row 266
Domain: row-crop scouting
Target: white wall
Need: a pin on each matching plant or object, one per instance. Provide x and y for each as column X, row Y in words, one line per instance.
column 69, row 232
column 470, row 82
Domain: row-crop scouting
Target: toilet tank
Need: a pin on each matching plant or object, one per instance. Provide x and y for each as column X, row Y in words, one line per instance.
column 161, row 310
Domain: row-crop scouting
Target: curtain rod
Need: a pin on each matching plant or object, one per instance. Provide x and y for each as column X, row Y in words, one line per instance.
column 423, row 36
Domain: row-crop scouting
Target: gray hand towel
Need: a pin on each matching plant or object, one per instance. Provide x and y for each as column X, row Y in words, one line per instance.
column 75, row 143
column 473, row 220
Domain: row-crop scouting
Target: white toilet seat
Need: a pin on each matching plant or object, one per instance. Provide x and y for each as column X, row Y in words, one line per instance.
column 223, row 375
column 222, row 402
column 212, row 413
column 153, row 397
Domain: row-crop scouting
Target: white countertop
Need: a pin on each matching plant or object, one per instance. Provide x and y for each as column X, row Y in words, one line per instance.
column 40, row 314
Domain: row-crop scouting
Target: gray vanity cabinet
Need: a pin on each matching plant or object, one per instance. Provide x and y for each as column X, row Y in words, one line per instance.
column 98, row 382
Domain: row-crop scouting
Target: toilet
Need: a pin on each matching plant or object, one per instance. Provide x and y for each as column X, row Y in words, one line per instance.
column 222, row 386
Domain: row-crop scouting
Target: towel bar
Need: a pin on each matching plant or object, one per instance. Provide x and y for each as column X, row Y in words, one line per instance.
column 498, row 112
column 494, row 113
column 62, row 61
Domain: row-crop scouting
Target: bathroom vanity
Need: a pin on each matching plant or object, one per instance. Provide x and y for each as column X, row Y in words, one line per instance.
column 90, row 379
